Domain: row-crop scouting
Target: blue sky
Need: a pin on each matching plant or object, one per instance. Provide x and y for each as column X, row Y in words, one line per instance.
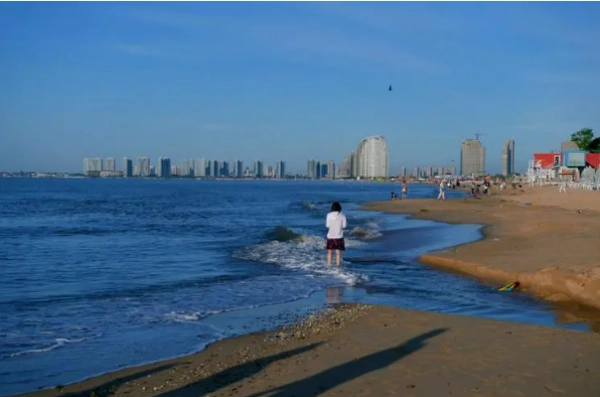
column 292, row 81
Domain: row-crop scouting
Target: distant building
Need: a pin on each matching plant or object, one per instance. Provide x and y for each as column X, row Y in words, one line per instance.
column 239, row 169
column 347, row 166
column 372, row 158
column 143, row 166
column 199, row 167
column 331, row 169
column 313, row 169
column 472, row 158
column 92, row 166
column 110, row 165
column 280, row 170
column 127, row 167
column 259, row 171
column 164, row 168
column 416, row 172
column 324, row 170
column 567, row 146
column 508, row 158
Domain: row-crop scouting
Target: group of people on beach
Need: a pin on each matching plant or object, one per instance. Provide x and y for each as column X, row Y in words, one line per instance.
column 404, row 190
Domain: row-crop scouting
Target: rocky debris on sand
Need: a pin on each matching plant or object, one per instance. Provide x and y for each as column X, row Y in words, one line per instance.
column 327, row 320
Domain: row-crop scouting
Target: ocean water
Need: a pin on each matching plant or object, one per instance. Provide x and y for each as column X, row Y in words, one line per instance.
column 96, row 275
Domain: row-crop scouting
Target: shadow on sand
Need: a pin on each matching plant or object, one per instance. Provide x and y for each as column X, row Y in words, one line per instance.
column 333, row 377
column 107, row 388
column 234, row 374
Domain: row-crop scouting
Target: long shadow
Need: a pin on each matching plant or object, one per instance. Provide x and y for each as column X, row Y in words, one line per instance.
column 107, row 388
column 232, row 375
column 333, row 377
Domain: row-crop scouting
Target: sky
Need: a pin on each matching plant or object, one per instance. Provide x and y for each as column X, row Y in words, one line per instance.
column 292, row 81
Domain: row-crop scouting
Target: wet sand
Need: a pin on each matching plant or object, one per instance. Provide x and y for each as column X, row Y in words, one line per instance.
column 357, row 350
column 546, row 240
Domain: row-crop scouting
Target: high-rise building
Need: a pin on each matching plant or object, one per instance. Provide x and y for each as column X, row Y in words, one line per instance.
column 372, row 158
column 472, row 158
column 127, row 167
column 164, row 167
column 347, row 166
column 110, row 164
column 324, row 171
column 311, row 172
column 280, row 169
column 92, row 166
column 313, row 169
column 508, row 158
column 199, row 167
column 331, row 169
column 416, row 172
column 239, row 169
column 143, row 166
column 259, row 171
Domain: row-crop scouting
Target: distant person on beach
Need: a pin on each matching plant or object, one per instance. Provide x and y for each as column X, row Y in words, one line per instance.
column 336, row 223
column 404, row 189
column 442, row 194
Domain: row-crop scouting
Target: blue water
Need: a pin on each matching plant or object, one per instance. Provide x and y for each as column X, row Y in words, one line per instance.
column 100, row 274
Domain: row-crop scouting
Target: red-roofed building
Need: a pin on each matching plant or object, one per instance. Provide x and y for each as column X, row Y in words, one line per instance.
column 547, row 160
column 593, row 159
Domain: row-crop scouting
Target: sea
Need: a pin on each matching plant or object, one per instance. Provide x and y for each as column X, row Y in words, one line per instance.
column 101, row 274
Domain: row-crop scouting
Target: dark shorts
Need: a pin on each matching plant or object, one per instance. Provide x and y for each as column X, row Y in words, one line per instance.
column 336, row 244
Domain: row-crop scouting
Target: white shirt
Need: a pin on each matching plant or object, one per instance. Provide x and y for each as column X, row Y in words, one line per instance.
column 336, row 223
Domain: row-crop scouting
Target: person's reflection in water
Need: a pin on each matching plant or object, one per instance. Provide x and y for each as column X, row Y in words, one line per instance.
column 333, row 295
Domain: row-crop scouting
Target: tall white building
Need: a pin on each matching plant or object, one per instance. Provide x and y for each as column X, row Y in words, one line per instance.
column 92, row 166
column 110, row 164
column 372, row 158
column 472, row 158
column 508, row 158
column 200, row 167
column 143, row 166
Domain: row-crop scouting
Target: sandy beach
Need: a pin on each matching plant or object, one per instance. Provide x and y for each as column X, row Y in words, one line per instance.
column 545, row 240
column 357, row 350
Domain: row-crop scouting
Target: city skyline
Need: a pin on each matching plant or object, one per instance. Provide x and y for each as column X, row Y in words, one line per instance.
column 297, row 80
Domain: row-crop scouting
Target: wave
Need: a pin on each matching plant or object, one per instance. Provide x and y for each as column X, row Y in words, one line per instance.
column 309, row 206
column 58, row 342
column 299, row 252
column 126, row 293
column 282, row 234
column 193, row 316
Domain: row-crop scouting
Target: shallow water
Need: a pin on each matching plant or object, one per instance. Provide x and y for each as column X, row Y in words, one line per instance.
column 101, row 274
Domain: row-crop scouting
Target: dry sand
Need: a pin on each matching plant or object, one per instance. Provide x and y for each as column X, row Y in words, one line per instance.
column 549, row 242
column 358, row 350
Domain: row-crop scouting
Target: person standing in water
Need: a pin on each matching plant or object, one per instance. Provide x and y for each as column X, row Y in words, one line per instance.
column 442, row 195
column 336, row 223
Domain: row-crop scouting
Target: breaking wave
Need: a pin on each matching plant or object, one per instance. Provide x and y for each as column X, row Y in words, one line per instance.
column 300, row 252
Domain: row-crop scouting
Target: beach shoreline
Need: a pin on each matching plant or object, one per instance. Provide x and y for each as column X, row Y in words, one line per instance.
column 180, row 376
column 549, row 247
column 365, row 350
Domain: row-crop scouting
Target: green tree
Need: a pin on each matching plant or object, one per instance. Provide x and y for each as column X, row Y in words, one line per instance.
column 583, row 138
column 594, row 145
